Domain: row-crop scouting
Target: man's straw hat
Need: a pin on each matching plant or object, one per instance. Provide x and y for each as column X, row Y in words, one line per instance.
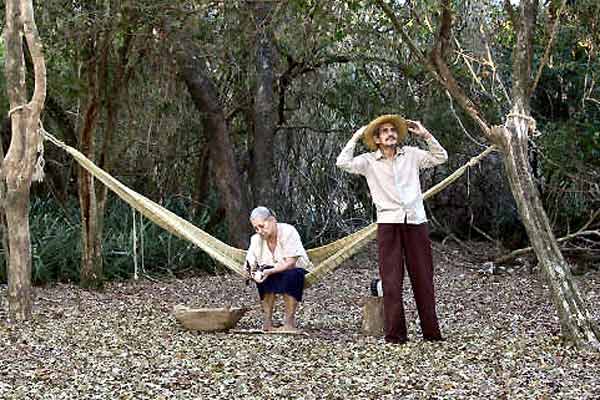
column 394, row 119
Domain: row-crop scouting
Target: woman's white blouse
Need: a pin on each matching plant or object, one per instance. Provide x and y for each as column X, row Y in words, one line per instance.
column 288, row 245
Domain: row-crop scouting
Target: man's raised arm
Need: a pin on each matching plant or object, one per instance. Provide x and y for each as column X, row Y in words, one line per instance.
column 346, row 159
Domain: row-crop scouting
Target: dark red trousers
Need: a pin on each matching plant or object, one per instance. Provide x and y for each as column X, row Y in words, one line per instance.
column 400, row 245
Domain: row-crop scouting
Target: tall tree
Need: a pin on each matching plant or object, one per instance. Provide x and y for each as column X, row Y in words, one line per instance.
column 109, row 58
column 206, row 98
column 20, row 162
column 512, row 137
column 264, row 110
column 91, row 249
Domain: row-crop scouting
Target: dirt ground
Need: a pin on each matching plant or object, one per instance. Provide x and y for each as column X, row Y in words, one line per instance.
column 124, row 343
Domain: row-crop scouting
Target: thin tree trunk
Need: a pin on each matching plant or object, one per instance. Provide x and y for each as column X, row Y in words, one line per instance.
column 261, row 170
column 18, row 166
column 111, row 100
column 90, row 274
column 91, row 271
column 93, row 199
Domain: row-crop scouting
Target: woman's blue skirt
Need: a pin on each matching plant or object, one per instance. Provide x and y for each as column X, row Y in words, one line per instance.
column 289, row 282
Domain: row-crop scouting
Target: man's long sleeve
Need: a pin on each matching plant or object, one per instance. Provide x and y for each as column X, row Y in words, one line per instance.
column 347, row 161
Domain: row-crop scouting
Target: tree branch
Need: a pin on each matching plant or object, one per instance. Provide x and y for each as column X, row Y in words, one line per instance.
column 34, row 44
column 450, row 83
column 438, row 67
column 548, row 47
column 443, row 41
column 514, row 18
column 581, row 232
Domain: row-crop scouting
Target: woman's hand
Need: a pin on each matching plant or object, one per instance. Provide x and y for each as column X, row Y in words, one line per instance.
column 259, row 276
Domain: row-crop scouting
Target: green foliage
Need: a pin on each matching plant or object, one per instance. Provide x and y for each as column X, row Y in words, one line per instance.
column 343, row 64
column 567, row 113
column 56, row 243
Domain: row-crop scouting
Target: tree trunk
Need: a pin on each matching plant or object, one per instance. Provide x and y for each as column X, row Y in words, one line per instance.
column 106, row 86
column 261, row 170
column 227, row 177
column 106, row 155
column 19, row 164
column 576, row 323
column 91, row 270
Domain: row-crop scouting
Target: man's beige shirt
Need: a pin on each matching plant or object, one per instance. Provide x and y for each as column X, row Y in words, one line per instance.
column 288, row 245
column 394, row 184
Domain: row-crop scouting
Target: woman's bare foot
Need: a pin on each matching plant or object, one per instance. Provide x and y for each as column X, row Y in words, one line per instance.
column 288, row 329
column 268, row 327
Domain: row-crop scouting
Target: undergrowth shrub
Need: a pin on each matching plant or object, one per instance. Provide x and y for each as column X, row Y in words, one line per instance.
column 56, row 242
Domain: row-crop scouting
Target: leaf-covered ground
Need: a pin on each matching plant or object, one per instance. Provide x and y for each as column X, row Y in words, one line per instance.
column 124, row 343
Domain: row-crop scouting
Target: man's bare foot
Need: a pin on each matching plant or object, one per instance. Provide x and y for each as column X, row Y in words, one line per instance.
column 268, row 327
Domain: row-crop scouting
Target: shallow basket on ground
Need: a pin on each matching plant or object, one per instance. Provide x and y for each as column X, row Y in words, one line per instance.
column 209, row 319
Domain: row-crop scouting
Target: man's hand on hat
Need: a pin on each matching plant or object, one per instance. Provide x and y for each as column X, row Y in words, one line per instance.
column 417, row 128
column 359, row 133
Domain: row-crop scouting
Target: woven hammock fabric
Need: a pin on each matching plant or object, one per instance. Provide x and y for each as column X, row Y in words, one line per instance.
column 325, row 258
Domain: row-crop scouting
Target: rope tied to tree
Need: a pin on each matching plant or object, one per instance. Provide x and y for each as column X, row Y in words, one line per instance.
column 17, row 108
column 475, row 160
column 532, row 124
column 38, row 166
column 40, row 162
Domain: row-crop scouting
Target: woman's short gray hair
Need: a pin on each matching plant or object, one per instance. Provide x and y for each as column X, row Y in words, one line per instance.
column 261, row 213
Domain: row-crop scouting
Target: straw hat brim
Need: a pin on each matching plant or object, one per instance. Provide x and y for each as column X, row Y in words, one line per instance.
column 394, row 119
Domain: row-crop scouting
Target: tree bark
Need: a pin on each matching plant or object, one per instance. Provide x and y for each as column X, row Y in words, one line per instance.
column 18, row 166
column 227, row 177
column 106, row 85
column 261, row 169
column 91, row 270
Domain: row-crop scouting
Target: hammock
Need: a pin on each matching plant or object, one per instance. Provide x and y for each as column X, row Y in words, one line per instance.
column 325, row 258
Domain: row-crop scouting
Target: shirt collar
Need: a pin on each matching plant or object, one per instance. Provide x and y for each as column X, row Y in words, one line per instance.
column 379, row 153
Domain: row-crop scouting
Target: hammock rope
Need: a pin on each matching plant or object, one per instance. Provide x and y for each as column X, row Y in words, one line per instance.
column 324, row 258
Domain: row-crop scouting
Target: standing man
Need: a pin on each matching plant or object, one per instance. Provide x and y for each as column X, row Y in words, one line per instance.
column 392, row 174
